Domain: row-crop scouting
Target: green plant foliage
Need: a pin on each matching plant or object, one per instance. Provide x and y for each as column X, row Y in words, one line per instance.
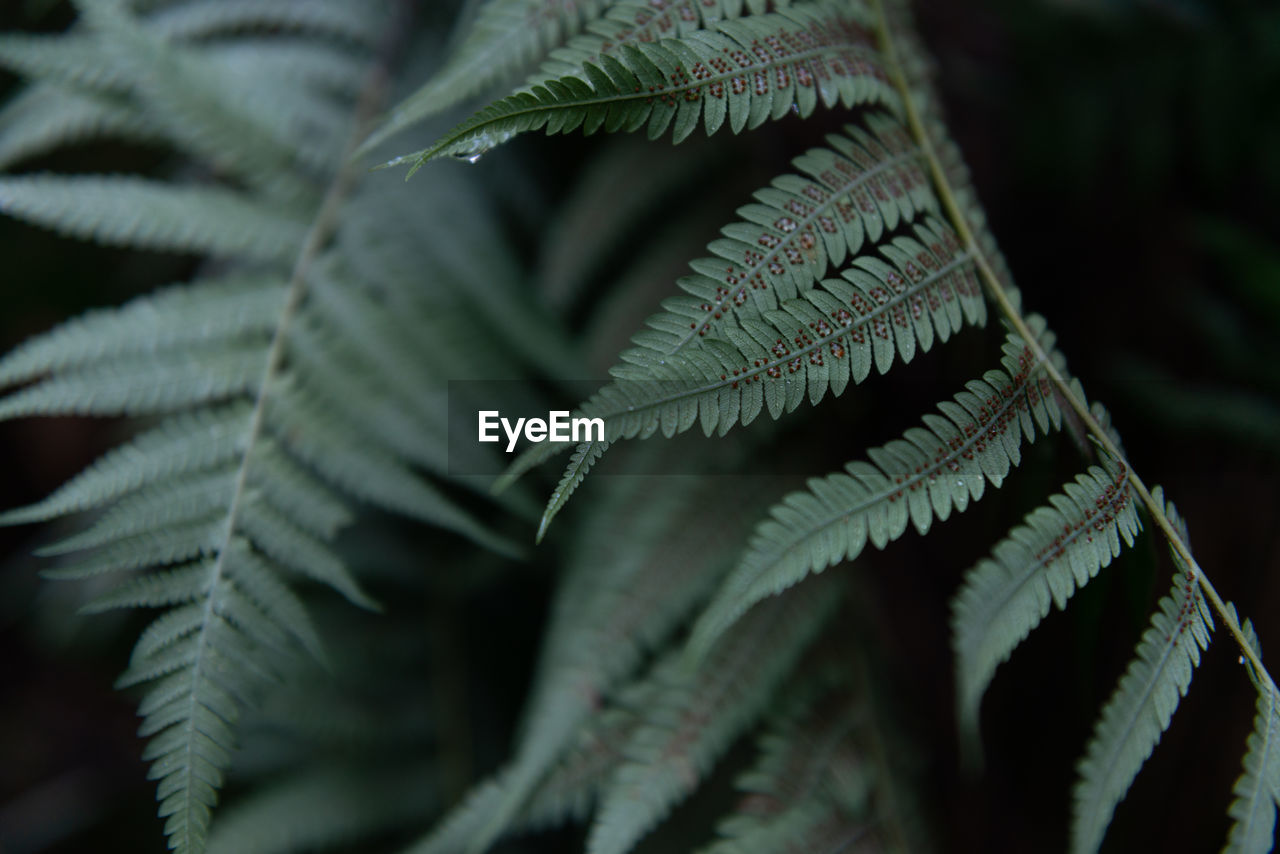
column 1142, row 705
column 924, row 475
column 808, row 54
column 299, row 401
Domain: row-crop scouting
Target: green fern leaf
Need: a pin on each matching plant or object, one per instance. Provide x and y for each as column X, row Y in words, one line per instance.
column 147, row 214
column 239, row 126
column 822, row 55
column 923, row 289
column 1257, row 791
column 586, row 455
column 678, row 742
column 630, row 22
column 202, row 19
column 924, row 475
column 854, row 191
column 643, row 565
column 234, row 308
column 46, row 116
column 507, row 35
column 185, row 444
column 1142, row 706
column 820, row 341
column 73, row 60
column 808, row 788
column 1060, row 547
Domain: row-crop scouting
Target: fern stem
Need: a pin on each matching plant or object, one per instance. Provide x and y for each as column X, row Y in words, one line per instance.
column 1006, row 306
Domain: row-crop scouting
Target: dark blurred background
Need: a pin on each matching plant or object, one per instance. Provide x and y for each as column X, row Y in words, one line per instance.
column 1128, row 155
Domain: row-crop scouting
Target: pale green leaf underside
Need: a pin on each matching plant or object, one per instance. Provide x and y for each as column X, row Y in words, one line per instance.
column 926, row 474
column 1058, row 549
column 1141, row 708
column 1257, row 792
column 848, row 194
column 148, row 214
column 745, row 72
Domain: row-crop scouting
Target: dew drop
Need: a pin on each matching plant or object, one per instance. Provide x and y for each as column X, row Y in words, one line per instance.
column 472, row 157
column 1240, row 659
column 795, row 109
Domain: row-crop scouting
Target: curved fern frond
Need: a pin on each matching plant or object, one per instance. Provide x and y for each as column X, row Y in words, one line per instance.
column 1143, row 704
column 1060, row 547
column 678, row 740
column 744, row 71
column 926, row 474
column 233, row 500
column 1257, row 791
column 506, row 36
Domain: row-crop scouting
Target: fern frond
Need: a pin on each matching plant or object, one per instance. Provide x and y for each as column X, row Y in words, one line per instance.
column 1143, row 704
column 923, row 475
column 74, row 60
column 584, row 457
column 148, row 214
column 1257, row 791
column 694, row 715
column 240, row 307
column 809, row 782
column 1060, row 547
column 185, row 444
column 643, row 565
column 201, row 19
column 798, row 57
column 234, row 498
column 45, row 116
column 506, row 36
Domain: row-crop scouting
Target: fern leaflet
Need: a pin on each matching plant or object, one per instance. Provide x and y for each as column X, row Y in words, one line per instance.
column 925, row 474
column 745, row 71
column 694, row 715
column 1143, row 704
column 507, row 35
column 635, row 22
column 1257, row 791
column 1060, row 547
